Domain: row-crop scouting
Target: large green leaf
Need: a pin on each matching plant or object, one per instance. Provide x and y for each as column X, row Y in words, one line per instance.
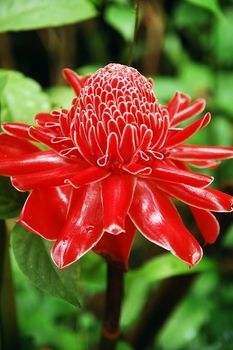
column 122, row 19
column 32, row 254
column 139, row 282
column 22, row 98
column 211, row 5
column 31, row 14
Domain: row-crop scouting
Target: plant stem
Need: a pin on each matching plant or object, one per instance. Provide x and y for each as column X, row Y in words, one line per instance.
column 114, row 296
column 131, row 50
column 9, row 335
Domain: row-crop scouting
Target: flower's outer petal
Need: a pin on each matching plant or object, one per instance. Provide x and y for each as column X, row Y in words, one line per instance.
column 18, row 130
column 11, row 146
column 83, row 227
column 44, row 119
column 89, row 175
column 173, row 105
column 195, row 152
column 164, row 172
column 30, row 163
column 46, row 178
column 203, row 198
column 190, row 111
column 187, row 132
column 117, row 248
column 74, row 80
column 211, row 164
column 44, row 211
column 158, row 220
column 207, row 223
column 117, row 193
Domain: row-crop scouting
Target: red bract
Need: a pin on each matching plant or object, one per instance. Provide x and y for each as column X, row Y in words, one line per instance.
column 116, row 159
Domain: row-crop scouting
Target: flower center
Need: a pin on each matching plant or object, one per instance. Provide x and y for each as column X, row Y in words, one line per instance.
column 117, row 119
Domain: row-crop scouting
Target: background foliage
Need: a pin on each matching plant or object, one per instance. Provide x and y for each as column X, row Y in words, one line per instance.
column 184, row 45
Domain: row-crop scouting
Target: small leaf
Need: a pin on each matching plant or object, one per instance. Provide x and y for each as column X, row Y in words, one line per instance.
column 211, row 5
column 11, row 200
column 122, row 19
column 32, row 254
column 31, row 14
column 22, row 98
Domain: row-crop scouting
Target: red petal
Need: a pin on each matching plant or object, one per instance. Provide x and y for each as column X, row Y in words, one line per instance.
column 173, row 105
column 164, row 172
column 187, row 132
column 127, row 144
column 44, row 118
column 18, row 130
column 135, row 169
column 117, row 193
column 11, row 146
column 83, row 227
column 47, row 178
column 30, row 163
column 117, row 248
column 74, row 80
column 192, row 110
column 89, row 175
column 204, row 198
column 207, row 223
column 193, row 152
column 212, row 164
column 158, row 220
column 45, row 211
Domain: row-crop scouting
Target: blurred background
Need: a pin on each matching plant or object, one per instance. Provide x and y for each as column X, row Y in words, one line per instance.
column 184, row 45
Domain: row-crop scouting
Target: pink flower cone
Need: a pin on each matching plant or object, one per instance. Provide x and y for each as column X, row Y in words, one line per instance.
column 115, row 160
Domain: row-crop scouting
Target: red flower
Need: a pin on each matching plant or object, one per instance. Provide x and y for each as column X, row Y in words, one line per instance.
column 114, row 162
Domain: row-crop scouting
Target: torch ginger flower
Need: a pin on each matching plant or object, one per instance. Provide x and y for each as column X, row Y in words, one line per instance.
column 115, row 160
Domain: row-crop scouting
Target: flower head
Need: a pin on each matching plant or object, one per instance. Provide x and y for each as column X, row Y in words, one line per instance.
column 115, row 160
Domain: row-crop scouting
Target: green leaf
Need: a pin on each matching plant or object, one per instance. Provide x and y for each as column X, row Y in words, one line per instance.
column 60, row 96
column 184, row 325
column 140, row 281
column 31, row 14
column 22, row 98
column 211, row 5
column 32, row 254
column 122, row 19
column 221, row 41
column 11, row 200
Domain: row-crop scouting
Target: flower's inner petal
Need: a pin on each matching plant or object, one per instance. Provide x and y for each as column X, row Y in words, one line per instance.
column 157, row 219
column 45, row 210
column 117, row 193
column 83, row 227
